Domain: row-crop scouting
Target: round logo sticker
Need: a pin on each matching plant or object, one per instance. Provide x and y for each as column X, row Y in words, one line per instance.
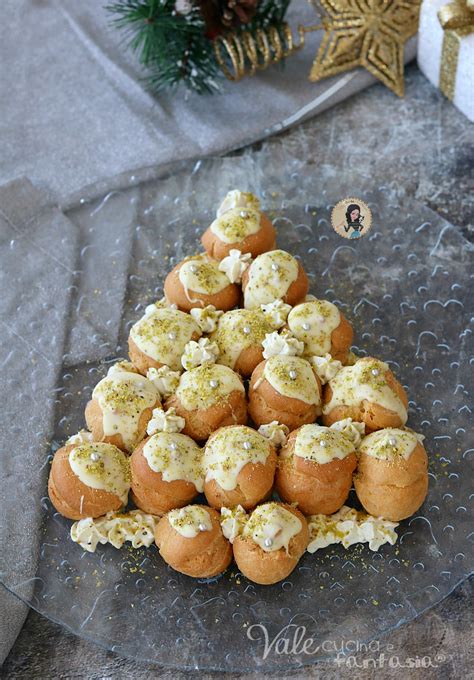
column 351, row 218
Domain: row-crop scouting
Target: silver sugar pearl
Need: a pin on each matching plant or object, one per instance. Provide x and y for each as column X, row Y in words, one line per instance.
column 173, row 446
column 202, row 527
column 275, row 267
column 193, row 268
column 323, row 443
column 214, row 383
column 306, row 326
column 392, row 441
column 268, row 543
column 244, row 213
column 375, row 371
column 95, row 456
column 247, row 446
column 247, row 330
column 293, row 374
column 172, row 336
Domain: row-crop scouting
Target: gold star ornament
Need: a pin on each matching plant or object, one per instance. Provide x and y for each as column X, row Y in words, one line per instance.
column 368, row 33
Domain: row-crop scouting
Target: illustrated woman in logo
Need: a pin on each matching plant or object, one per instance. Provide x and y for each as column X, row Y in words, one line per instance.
column 354, row 220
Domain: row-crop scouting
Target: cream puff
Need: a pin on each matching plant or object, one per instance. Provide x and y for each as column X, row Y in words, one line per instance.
column 245, row 229
column 271, row 543
column 275, row 275
column 89, row 480
column 392, row 473
column 190, row 540
column 209, row 397
column 286, row 389
column 322, row 328
column 121, row 406
column 239, row 336
column 159, row 338
column 198, row 282
column 166, row 472
column 366, row 392
column 315, row 469
column 239, row 465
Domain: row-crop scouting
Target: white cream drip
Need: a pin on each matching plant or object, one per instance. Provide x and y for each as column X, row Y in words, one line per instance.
column 238, row 330
column 313, row 323
column 390, row 443
column 278, row 372
column 102, row 466
column 123, row 397
column 321, row 444
column 163, row 335
column 235, row 224
column 190, row 521
column 229, row 450
column 270, row 276
column 271, row 526
column 207, row 385
column 176, row 457
column 201, row 275
column 354, row 384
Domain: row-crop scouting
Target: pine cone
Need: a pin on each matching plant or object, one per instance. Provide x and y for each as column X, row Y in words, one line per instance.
column 220, row 15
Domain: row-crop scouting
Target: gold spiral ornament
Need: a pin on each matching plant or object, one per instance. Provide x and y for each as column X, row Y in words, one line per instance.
column 242, row 54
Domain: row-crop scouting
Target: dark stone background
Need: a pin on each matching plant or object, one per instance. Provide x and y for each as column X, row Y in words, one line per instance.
column 425, row 147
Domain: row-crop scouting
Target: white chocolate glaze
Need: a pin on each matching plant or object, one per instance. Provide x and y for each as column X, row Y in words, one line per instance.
column 199, row 353
column 276, row 313
column 390, row 443
column 278, row 372
column 238, row 330
column 115, row 528
column 365, row 381
column 321, row 444
column 232, row 522
column 234, row 265
column 200, row 274
column 238, row 199
column 123, row 397
column 207, row 385
column 281, row 344
column 351, row 429
column 275, row 432
column 235, row 224
column 271, row 526
column 347, row 526
column 270, row 276
column 313, row 323
column 162, row 335
column 164, row 379
column 165, row 421
column 190, row 521
column 229, row 450
column 176, row 456
column 206, row 317
column 102, row 466
column 326, row 367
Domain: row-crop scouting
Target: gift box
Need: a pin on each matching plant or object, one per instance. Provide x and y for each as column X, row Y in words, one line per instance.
column 446, row 49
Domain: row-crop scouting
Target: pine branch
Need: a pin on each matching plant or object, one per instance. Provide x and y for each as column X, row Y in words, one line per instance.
column 173, row 47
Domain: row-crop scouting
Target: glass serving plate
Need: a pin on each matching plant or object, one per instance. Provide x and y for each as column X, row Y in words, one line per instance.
column 405, row 287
